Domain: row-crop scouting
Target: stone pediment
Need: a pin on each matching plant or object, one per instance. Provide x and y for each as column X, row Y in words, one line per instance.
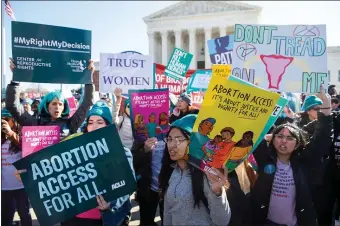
column 188, row 8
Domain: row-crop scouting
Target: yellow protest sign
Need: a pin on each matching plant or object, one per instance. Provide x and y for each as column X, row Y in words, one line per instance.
column 231, row 119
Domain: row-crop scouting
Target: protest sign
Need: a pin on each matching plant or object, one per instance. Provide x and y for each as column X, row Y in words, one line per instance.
column 175, row 86
column 125, row 71
column 278, row 109
column 149, row 113
column 73, row 106
column 199, row 81
column 178, row 64
column 35, row 138
column 220, row 49
column 287, row 58
column 50, row 54
column 63, row 180
column 231, row 119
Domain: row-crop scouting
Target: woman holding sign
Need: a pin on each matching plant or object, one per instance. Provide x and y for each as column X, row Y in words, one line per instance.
column 13, row 195
column 183, row 108
column 281, row 195
column 190, row 197
column 107, row 213
column 53, row 110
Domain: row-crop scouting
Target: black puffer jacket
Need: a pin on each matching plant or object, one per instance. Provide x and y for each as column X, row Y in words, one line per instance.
column 67, row 125
column 302, row 162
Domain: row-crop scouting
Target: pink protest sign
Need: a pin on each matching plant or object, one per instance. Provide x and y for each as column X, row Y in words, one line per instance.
column 35, row 138
column 72, row 104
column 149, row 113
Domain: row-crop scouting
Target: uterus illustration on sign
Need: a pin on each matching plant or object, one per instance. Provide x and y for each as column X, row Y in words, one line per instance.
column 276, row 66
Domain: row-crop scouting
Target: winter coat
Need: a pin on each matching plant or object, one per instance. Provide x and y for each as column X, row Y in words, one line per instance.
column 305, row 165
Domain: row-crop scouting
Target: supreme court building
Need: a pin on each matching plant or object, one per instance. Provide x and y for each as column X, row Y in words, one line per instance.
column 189, row 24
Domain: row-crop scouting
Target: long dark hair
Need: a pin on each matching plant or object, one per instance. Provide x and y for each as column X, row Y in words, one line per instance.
column 197, row 176
column 13, row 147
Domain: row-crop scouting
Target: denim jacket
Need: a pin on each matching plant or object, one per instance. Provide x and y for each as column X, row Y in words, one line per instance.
column 120, row 207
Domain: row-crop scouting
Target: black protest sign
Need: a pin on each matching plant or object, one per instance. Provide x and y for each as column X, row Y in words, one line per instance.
column 63, row 180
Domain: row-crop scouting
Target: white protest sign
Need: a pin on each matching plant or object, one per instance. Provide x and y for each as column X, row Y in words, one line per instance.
column 286, row 58
column 125, row 71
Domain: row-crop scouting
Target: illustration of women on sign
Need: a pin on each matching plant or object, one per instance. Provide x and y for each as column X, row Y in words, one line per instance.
column 241, row 149
column 223, row 149
column 210, row 147
column 141, row 132
column 163, row 127
column 199, row 139
column 151, row 126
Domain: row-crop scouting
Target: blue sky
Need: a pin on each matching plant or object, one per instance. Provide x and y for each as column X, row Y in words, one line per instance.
column 118, row 26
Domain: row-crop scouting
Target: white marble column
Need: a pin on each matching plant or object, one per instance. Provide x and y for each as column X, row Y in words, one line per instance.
column 164, row 35
column 192, row 48
column 223, row 31
column 207, row 35
column 178, row 39
column 152, row 46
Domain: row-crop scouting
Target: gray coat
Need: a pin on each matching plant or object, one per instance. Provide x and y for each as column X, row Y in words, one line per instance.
column 67, row 125
column 179, row 203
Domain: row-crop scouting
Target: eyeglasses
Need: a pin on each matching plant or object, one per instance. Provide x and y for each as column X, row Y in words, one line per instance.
column 177, row 140
column 316, row 108
column 288, row 138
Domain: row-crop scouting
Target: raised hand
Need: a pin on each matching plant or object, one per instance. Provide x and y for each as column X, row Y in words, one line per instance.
column 150, row 143
column 217, row 180
column 11, row 64
column 118, row 92
column 326, row 99
column 6, row 128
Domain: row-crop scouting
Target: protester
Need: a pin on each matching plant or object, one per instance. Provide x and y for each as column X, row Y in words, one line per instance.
column 190, row 197
column 26, row 103
column 281, row 194
column 53, row 110
column 35, row 107
column 107, row 213
column 335, row 104
column 183, row 108
column 147, row 164
column 13, row 195
column 123, row 122
column 310, row 107
column 332, row 90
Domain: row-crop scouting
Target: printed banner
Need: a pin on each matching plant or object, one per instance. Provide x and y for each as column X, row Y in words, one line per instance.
column 220, row 49
column 178, row 64
column 199, row 81
column 63, row 180
column 149, row 113
column 287, row 58
column 73, row 106
column 175, row 86
column 50, row 54
column 232, row 117
column 35, row 138
column 125, row 71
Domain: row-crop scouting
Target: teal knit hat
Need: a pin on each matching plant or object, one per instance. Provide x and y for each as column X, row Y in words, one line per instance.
column 5, row 113
column 101, row 109
column 186, row 123
column 126, row 102
column 310, row 102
